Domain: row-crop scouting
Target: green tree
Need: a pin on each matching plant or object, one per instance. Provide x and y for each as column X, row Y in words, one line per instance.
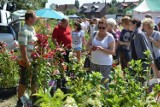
column 30, row 4
column 112, row 10
column 114, row 2
column 71, row 11
column 77, row 3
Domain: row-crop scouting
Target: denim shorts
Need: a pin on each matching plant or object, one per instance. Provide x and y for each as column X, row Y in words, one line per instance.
column 78, row 49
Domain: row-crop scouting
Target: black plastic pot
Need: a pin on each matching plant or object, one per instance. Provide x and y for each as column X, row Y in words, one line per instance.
column 7, row 92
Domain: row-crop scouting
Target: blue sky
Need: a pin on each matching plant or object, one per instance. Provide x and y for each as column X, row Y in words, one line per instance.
column 81, row 1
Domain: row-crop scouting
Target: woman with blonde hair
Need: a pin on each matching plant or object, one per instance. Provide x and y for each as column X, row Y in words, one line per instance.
column 154, row 40
column 102, row 47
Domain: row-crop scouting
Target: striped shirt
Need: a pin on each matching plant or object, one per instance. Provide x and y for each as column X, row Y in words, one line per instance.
column 27, row 37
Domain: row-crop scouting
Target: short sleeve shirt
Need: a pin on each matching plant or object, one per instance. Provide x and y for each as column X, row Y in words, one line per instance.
column 125, row 36
column 98, row 57
column 27, row 37
column 155, row 36
column 62, row 36
column 77, row 39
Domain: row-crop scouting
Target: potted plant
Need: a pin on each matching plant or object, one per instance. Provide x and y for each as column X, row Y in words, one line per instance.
column 8, row 72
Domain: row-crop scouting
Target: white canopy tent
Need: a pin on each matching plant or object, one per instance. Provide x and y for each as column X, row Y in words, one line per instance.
column 151, row 7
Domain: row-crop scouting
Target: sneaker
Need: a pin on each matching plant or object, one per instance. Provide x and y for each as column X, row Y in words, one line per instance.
column 26, row 101
column 19, row 103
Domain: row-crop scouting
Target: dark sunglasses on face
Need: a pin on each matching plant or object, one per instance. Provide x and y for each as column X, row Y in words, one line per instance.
column 103, row 28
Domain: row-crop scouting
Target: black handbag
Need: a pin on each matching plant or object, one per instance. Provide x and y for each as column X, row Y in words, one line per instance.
column 87, row 62
column 156, row 60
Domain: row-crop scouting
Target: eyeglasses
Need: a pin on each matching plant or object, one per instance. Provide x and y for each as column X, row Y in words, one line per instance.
column 103, row 28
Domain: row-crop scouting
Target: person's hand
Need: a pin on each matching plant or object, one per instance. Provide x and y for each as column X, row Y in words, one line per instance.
column 94, row 48
column 150, row 39
column 99, row 48
column 151, row 65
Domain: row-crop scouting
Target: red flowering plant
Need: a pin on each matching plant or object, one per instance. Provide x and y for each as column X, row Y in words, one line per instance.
column 8, row 67
column 2, row 47
column 47, row 61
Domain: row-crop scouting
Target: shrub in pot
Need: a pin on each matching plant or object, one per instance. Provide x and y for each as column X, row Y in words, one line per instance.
column 8, row 72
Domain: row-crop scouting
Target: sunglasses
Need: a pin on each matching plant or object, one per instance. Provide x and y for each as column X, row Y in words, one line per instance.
column 103, row 28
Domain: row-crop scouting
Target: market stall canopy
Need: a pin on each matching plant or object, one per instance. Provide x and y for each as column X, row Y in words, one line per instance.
column 148, row 6
column 74, row 16
column 49, row 13
column 66, row 17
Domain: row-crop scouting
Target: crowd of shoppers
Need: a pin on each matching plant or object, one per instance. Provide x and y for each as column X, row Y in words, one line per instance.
column 106, row 41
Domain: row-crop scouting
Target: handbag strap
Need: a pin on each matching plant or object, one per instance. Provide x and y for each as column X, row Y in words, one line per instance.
column 152, row 47
column 94, row 35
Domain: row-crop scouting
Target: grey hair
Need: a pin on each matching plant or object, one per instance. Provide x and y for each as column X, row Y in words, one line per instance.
column 112, row 22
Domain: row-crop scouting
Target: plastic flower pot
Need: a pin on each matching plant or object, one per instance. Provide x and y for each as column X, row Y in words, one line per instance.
column 7, row 92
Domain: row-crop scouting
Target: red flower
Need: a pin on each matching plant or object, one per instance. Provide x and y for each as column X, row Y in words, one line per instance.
column 49, row 54
column 14, row 58
column 42, row 42
column 35, row 55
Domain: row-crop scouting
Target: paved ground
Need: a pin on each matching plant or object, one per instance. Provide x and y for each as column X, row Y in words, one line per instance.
column 11, row 102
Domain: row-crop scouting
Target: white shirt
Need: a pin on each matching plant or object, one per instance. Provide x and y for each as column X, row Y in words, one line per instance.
column 98, row 57
column 92, row 28
column 85, row 26
column 77, row 39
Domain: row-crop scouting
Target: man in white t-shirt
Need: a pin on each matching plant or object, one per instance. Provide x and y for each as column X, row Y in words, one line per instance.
column 92, row 28
column 85, row 25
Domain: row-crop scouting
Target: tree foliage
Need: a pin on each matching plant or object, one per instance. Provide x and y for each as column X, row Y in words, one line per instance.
column 30, row 4
column 112, row 10
column 114, row 2
column 70, row 12
column 25, row 4
column 77, row 3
